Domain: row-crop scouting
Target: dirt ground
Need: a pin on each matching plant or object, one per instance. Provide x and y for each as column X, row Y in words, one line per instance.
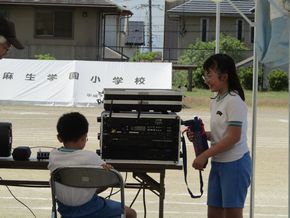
column 34, row 126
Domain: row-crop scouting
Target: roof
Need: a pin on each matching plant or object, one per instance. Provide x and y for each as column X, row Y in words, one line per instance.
column 195, row 7
column 70, row 3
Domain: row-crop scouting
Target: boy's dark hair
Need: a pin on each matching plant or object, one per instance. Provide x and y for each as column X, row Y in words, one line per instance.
column 72, row 126
column 226, row 64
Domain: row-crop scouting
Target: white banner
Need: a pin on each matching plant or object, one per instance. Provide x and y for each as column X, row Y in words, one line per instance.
column 76, row 82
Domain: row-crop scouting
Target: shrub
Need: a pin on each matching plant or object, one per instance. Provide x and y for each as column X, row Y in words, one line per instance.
column 44, row 57
column 278, row 80
column 246, row 77
column 179, row 79
column 146, row 56
column 197, row 79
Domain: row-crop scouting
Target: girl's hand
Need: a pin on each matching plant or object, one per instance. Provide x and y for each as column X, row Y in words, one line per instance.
column 199, row 163
column 190, row 134
column 107, row 166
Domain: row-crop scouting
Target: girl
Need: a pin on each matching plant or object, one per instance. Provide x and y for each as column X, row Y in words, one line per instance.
column 230, row 172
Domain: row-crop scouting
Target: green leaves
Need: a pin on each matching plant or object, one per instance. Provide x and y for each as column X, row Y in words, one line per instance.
column 44, row 57
column 278, row 80
column 144, row 57
column 199, row 51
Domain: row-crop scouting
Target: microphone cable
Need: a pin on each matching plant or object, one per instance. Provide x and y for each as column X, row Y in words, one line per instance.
column 19, row 200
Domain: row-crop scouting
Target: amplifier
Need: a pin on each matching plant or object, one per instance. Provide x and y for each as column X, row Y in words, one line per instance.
column 157, row 100
column 135, row 136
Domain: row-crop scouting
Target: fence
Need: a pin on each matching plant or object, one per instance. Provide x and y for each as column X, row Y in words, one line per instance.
column 107, row 53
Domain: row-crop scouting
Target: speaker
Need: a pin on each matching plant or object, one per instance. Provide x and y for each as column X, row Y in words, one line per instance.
column 21, row 153
column 5, row 139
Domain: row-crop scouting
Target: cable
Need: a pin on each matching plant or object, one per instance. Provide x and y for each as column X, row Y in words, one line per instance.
column 112, row 193
column 19, row 200
column 126, row 176
column 144, row 201
column 135, row 197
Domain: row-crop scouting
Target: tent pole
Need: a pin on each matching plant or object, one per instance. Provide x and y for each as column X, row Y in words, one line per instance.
column 217, row 28
column 240, row 12
column 254, row 119
column 288, row 120
column 254, row 126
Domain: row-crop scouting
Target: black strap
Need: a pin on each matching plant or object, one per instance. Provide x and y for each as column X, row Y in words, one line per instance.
column 185, row 170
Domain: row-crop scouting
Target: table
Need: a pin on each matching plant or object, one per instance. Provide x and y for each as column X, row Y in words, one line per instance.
column 140, row 172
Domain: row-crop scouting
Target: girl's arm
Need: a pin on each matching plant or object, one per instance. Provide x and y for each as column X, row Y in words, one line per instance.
column 231, row 137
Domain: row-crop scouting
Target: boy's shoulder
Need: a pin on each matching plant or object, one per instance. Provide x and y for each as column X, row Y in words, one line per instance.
column 64, row 150
column 63, row 157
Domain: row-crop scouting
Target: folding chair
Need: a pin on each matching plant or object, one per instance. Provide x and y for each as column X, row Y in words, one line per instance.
column 86, row 177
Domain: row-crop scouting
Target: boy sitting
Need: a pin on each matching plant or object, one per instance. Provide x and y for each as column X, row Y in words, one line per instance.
column 72, row 129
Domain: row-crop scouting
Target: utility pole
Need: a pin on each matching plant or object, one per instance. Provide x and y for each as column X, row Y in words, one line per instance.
column 150, row 25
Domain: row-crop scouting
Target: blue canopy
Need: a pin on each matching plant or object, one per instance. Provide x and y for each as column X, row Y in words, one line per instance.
column 272, row 33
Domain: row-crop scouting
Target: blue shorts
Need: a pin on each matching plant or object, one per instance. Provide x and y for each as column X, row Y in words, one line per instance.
column 228, row 183
column 97, row 207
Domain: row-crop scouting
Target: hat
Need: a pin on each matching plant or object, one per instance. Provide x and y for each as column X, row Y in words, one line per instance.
column 7, row 29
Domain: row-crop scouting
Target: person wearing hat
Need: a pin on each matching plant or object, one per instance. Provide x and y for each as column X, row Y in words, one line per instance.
column 7, row 37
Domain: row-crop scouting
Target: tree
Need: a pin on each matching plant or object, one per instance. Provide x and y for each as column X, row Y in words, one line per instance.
column 198, row 52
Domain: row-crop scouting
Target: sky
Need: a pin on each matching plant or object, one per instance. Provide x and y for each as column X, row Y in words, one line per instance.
column 141, row 13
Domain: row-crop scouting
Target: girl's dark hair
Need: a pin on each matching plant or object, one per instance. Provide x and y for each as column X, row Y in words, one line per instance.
column 72, row 126
column 224, row 64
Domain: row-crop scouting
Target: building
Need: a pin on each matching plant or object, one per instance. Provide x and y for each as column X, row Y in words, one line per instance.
column 67, row 29
column 189, row 21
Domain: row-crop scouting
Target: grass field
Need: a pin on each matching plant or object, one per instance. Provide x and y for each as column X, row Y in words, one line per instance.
column 201, row 98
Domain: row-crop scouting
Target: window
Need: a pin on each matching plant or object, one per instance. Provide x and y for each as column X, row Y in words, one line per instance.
column 204, row 29
column 53, row 23
column 240, row 24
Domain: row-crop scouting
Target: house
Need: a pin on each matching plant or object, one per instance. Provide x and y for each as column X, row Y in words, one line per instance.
column 142, row 9
column 189, row 21
column 66, row 29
